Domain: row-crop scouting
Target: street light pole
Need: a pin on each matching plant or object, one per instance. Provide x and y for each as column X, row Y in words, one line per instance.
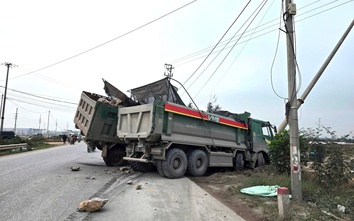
column 9, row 65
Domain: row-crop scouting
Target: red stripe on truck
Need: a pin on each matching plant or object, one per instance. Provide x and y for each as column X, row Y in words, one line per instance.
column 195, row 114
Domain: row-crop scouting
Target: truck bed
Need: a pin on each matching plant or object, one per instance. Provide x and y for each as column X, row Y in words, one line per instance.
column 96, row 119
column 176, row 123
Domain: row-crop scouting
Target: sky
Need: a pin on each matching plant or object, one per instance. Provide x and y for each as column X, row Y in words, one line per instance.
column 61, row 48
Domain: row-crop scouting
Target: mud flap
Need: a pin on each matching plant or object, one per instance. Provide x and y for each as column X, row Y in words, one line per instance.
column 104, row 151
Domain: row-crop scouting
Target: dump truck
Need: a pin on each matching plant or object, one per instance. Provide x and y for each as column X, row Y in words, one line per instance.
column 177, row 139
column 97, row 121
column 96, row 118
column 154, row 128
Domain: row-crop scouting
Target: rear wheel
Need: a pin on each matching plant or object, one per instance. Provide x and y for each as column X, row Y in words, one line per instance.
column 198, row 163
column 159, row 168
column 114, row 157
column 260, row 160
column 175, row 165
column 239, row 163
column 141, row 167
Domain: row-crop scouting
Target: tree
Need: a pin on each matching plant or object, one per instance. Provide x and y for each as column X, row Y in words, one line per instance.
column 212, row 107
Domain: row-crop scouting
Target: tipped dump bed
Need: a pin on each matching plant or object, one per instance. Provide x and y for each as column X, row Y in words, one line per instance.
column 96, row 118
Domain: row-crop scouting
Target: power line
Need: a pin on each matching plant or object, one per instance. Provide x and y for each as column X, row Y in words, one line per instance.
column 42, row 104
column 25, row 108
column 229, row 68
column 100, row 45
column 192, row 57
column 46, row 98
column 261, row 7
column 217, row 43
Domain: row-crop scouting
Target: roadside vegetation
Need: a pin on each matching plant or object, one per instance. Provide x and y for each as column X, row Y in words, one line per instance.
column 327, row 177
column 35, row 142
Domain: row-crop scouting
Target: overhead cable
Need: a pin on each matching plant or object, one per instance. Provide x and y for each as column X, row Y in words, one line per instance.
column 217, row 43
column 100, row 45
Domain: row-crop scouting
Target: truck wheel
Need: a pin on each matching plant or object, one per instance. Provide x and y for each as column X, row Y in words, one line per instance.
column 114, row 158
column 159, row 168
column 239, row 162
column 260, row 160
column 141, row 167
column 198, row 163
column 175, row 165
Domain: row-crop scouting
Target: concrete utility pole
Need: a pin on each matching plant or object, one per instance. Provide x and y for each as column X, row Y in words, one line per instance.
column 302, row 98
column 39, row 127
column 9, row 65
column 48, row 125
column 15, row 120
column 291, row 106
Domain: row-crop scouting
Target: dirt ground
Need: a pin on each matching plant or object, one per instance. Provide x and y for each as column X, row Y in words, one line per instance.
column 224, row 186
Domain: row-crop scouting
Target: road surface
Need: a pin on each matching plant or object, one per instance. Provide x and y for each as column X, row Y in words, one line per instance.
column 39, row 185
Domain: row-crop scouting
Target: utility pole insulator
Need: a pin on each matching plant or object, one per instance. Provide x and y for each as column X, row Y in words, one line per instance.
column 292, row 8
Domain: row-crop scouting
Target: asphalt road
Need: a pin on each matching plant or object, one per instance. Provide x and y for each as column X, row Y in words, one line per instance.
column 39, row 185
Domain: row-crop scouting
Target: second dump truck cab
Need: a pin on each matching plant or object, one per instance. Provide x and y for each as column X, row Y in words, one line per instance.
column 178, row 139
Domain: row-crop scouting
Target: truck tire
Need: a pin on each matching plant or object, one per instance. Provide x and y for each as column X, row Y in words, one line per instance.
column 239, row 163
column 159, row 168
column 141, row 167
column 260, row 160
column 198, row 163
column 114, row 158
column 175, row 165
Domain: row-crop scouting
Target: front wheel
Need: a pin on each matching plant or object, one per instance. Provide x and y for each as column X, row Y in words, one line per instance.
column 239, row 163
column 175, row 165
column 260, row 160
column 114, row 157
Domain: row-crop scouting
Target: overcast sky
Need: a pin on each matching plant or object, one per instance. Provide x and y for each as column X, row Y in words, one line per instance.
column 62, row 48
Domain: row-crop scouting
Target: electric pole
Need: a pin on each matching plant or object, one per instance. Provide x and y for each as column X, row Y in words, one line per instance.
column 8, row 65
column 39, row 127
column 291, row 106
column 15, row 120
column 48, row 125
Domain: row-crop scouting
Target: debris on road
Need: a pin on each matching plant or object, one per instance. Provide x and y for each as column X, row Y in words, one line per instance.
column 124, row 169
column 138, row 187
column 90, row 177
column 75, row 168
column 92, row 205
column 130, row 182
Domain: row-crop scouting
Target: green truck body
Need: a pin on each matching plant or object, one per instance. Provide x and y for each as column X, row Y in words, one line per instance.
column 154, row 128
column 97, row 121
column 177, row 139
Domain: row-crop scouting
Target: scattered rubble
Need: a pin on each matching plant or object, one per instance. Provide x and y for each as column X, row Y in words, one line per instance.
column 138, row 187
column 91, row 177
column 75, row 168
column 130, row 182
column 92, row 205
column 124, row 169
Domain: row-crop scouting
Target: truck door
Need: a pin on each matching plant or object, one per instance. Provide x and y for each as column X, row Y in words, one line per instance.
column 261, row 135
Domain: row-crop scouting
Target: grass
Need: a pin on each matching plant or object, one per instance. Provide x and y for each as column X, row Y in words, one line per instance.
column 319, row 202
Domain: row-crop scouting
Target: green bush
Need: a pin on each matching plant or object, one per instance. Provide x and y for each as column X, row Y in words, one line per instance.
column 279, row 152
column 329, row 163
